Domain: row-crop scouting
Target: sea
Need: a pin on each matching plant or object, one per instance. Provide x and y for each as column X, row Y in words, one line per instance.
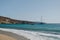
column 34, row 31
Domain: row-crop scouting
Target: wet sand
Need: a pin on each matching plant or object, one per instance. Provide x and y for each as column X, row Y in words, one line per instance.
column 4, row 35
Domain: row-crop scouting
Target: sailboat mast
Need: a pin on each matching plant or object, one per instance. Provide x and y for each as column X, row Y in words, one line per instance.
column 42, row 21
column 41, row 18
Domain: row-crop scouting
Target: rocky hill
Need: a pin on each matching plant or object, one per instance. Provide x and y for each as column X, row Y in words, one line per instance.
column 6, row 20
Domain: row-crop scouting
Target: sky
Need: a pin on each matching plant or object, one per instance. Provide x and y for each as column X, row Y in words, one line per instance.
column 31, row 10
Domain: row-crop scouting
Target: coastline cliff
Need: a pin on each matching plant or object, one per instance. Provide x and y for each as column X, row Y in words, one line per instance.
column 6, row 20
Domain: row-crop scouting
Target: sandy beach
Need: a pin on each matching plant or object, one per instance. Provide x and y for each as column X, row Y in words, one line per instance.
column 4, row 35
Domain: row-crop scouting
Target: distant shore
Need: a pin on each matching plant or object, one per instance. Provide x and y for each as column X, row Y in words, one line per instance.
column 4, row 35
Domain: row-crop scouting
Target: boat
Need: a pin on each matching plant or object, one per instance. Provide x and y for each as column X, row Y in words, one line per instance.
column 42, row 21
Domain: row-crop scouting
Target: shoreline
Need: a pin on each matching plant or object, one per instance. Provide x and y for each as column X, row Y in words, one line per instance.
column 30, row 35
column 12, row 35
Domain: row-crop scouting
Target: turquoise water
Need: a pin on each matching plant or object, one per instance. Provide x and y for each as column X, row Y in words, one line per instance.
column 41, row 27
column 48, row 31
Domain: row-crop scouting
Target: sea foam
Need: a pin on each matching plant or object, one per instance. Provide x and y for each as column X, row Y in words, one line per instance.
column 32, row 35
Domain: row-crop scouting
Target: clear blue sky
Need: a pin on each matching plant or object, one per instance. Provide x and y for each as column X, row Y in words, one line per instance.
column 31, row 10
